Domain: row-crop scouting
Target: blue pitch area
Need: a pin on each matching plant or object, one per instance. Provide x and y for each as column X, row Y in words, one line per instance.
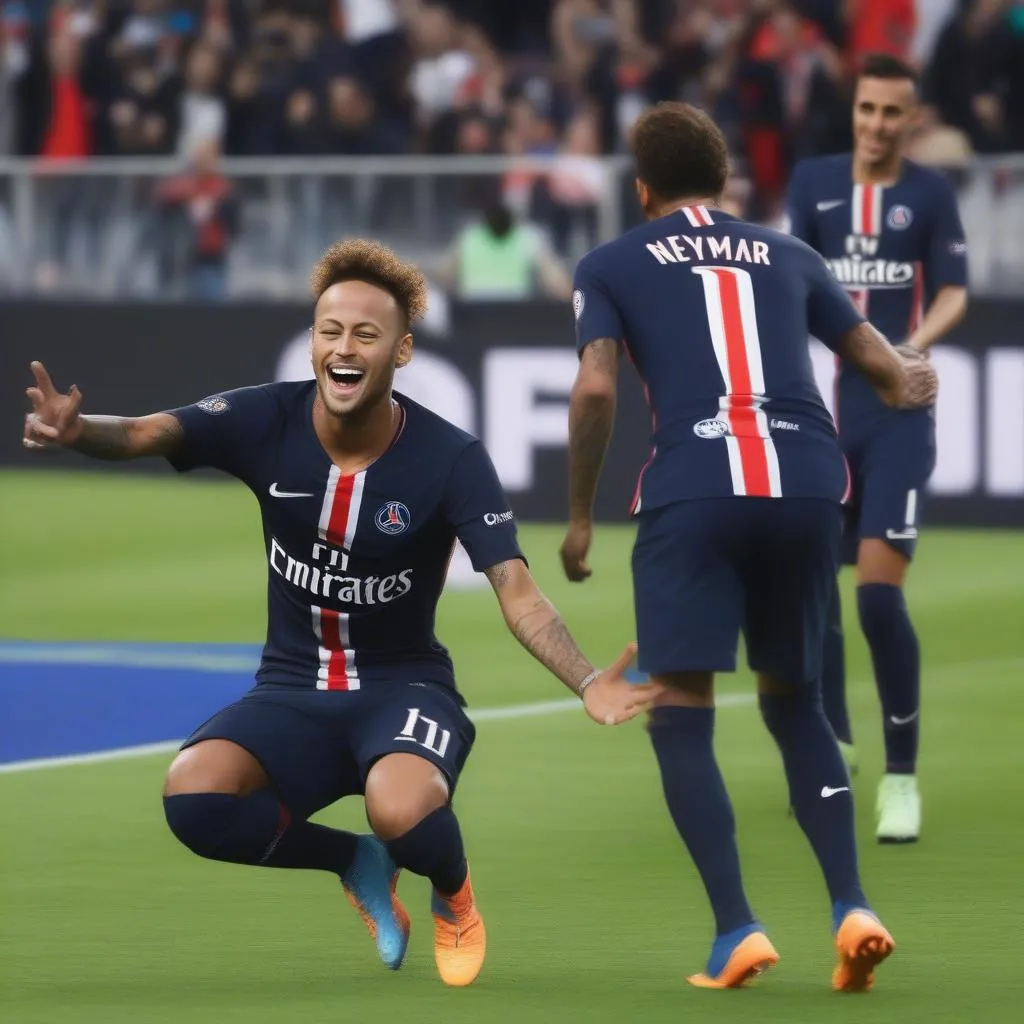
column 64, row 699
column 61, row 700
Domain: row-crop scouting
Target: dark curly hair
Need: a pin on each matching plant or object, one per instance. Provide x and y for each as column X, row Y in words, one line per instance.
column 357, row 259
column 680, row 152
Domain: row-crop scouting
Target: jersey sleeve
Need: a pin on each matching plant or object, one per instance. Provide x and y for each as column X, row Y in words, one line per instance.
column 800, row 206
column 224, row 431
column 597, row 315
column 947, row 247
column 830, row 311
column 476, row 508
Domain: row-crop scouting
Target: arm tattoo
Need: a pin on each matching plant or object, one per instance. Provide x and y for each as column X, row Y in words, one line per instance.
column 591, row 419
column 540, row 629
column 120, row 437
column 536, row 624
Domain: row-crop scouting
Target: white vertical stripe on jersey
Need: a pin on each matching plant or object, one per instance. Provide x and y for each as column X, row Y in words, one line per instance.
column 705, row 217
column 754, row 368
column 748, row 317
column 353, row 509
column 323, row 653
column 691, row 215
column 866, row 209
column 325, row 510
column 345, row 636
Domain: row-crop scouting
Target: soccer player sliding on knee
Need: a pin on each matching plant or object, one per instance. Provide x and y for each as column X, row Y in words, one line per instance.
column 738, row 507
column 363, row 495
column 891, row 234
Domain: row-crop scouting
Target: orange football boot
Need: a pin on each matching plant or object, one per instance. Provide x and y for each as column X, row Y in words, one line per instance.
column 862, row 943
column 751, row 955
column 460, row 940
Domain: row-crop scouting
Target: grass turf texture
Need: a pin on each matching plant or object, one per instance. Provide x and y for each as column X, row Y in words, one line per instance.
column 593, row 909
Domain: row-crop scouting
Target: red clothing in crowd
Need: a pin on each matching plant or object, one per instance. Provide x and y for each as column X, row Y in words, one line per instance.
column 880, row 26
column 67, row 135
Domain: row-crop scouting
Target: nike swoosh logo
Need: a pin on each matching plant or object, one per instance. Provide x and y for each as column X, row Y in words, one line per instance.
column 830, row 204
column 827, row 791
column 896, row 720
column 275, row 492
column 910, row 534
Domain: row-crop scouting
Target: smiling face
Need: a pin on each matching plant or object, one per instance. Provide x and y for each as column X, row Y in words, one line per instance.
column 884, row 110
column 360, row 337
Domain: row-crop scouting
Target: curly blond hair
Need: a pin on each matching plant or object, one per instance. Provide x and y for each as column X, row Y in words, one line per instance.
column 358, row 259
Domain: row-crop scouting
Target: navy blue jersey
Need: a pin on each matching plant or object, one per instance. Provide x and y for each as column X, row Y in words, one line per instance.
column 714, row 313
column 356, row 563
column 891, row 247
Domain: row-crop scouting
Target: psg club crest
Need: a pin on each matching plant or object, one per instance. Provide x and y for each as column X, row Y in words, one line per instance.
column 899, row 218
column 393, row 518
column 214, row 405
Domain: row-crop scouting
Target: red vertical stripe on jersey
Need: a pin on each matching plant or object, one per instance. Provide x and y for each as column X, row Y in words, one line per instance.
column 330, row 637
column 340, row 505
column 742, row 411
column 867, row 210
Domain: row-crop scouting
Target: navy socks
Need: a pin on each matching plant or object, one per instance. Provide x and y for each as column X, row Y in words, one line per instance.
column 255, row 829
column 897, row 663
column 819, row 788
column 700, row 807
column 433, row 848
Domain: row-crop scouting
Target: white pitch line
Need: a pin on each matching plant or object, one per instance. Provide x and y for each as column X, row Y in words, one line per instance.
column 534, row 710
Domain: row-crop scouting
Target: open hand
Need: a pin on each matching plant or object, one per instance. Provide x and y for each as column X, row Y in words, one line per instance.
column 612, row 699
column 54, row 419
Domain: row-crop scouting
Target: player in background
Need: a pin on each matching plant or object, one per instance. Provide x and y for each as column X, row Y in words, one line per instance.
column 891, row 234
column 738, row 508
column 363, row 494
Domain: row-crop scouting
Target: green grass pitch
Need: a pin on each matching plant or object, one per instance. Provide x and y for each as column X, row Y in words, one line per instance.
column 594, row 912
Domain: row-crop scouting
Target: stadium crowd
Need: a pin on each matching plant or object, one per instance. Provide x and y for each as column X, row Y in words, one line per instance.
column 198, row 78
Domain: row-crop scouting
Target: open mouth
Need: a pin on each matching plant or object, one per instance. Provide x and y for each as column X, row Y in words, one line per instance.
column 344, row 379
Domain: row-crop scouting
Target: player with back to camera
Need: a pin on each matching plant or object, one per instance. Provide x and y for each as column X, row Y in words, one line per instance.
column 363, row 494
column 891, row 234
column 738, row 507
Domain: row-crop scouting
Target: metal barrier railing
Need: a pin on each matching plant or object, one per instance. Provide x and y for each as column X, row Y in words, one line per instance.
column 101, row 228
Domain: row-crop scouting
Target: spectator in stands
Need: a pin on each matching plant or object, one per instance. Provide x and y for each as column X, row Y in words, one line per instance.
column 879, row 26
column 497, row 258
column 203, row 113
column 575, row 187
column 55, row 100
column 970, row 78
column 353, row 127
column 202, row 211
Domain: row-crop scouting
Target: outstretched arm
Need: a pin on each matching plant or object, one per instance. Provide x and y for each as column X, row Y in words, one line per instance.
column 55, row 422
column 607, row 695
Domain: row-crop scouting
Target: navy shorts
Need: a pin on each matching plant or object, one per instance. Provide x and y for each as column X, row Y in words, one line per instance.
column 890, row 465
column 705, row 571
column 318, row 746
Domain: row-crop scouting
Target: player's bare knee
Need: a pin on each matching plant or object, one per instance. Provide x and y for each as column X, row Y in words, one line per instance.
column 215, row 766
column 401, row 790
column 878, row 562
